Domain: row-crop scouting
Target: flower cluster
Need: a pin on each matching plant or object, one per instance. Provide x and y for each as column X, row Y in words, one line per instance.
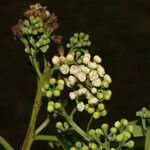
column 85, row 74
column 62, row 127
column 52, row 106
column 36, row 29
column 144, row 113
column 53, row 88
column 118, row 136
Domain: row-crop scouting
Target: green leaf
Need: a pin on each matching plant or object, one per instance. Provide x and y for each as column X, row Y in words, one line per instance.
column 138, row 130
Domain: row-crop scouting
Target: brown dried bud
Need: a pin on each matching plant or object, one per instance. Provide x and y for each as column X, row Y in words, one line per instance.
column 57, row 39
column 61, row 50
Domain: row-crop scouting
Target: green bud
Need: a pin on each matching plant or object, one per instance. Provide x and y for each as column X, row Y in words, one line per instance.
column 34, row 32
column 59, row 125
column 99, row 95
column 27, row 50
column 32, row 41
column 52, row 81
column 68, row 46
column 40, row 30
column 56, row 93
column 29, row 31
column 85, row 147
column 113, row 130
column 78, row 54
column 73, row 148
column 130, row 144
column 60, row 87
column 66, row 126
column 107, row 96
column 79, row 61
column 44, row 48
column 32, row 19
column 93, row 146
column 104, row 127
column 51, row 103
column 49, row 94
column 103, row 113
column 79, row 45
column 86, row 37
column 101, row 107
column 98, row 132
column 46, row 86
column 86, row 107
column 88, row 43
column 112, row 149
column 78, row 144
column 124, row 122
column 57, row 105
column 38, row 44
column 43, row 90
column 81, row 35
column 50, row 108
column 126, row 135
column 61, row 82
column 90, row 110
column 26, row 22
column 92, row 132
column 105, row 84
column 73, row 40
column 130, row 128
column 117, row 124
column 119, row 137
column 96, row 115
column 76, row 35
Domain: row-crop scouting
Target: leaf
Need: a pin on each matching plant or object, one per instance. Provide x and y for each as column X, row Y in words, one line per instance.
column 138, row 130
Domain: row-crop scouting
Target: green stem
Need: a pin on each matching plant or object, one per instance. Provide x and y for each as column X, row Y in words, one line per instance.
column 73, row 112
column 37, row 67
column 50, row 138
column 147, row 140
column 42, row 126
column 89, row 124
column 5, row 144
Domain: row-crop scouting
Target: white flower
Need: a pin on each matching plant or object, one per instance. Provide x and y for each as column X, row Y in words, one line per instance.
column 81, row 76
column 101, row 70
column 107, row 78
column 62, row 59
column 84, row 69
column 64, row 69
column 68, row 83
column 88, row 95
column 92, row 65
column 73, row 95
column 93, row 75
column 55, row 60
column 82, row 91
column 97, row 82
column 97, row 59
column 70, row 57
column 94, row 90
column 74, row 69
column 80, row 106
column 72, row 80
column 86, row 58
column 93, row 101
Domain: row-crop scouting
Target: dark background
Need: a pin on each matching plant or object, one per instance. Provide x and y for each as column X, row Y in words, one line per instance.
column 120, row 34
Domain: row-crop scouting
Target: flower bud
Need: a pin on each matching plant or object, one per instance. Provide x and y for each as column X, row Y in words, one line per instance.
column 98, row 132
column 119, row 137
column 61, row 82
column 93, row 101
column 52, row 81
column 130, row 128
column 96, row 115
column 81, row 76
column 49, row 94
column 57, row 105
column 93, row 146
column 68, row 46
column 85, row 147
column 92, row 132
column 70, row 57
column 94, row 90
column 103, row 113
column 105, row 84
column 64, row 69
column 50, row 108
column 86, row 60
column 59, row 125
column 72, row 80
column 60, row 87
column 46, row 86
column 101, row 107
column 55, row 60
column 117, row 124
column 78, row 144
column 104, row 127
column 56, row 93
column 113, row 130
column 92, row 65
column 99, row 95
column 73, row 148
column 80, row 106
column 73, row 95
column 90, row 110
column 107, row 78
column 101, row 70
column 130, row 144
column 97, row 59
column 124, row 122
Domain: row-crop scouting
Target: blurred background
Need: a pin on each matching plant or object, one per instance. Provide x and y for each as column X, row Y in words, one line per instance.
column 120, row 34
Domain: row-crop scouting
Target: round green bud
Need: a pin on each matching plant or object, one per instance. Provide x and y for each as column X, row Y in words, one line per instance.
column 90, row 110
column 49, row 94
column 79, row 61
column 52, row 81
column 46, row 86
column 50, row 108
column 105, row 84
column 81, row 35
column 93, row 146
column 92, row 132
column 76, row 35
column 94, row 90
column 117, row 124
column 78, row 54
column 79, row 44
column 98, row 132
column 104, row 127
column 44, row 48
column 84, row 43
column 56, row 93
column 60, row 81
column 107, row 96
column 85, row 147
column 40, row 30
column 126, row 135
column 36, row 25
column 96, row 115
column 103, row 113
column 112, row 149
column 78, row 144
column 51, row 103
column 99, row 95
column 66, row 126
column 27, row 50
column 38, row 44
column 34, row 32
column 130, row 128
column 60, row 87
column 26, row 22
column 124, row 122
column 88, row 43
column 119, row 137
column 32, row 41
column 86, row 37
column 86, row 107
column 59, row 125
column 57, row 105
column 68, row 46
column 73, row 148
column 101, row 107
column 29, row 31
column 113, row 130
column 130, row 144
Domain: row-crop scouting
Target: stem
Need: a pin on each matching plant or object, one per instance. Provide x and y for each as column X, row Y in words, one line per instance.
column 5, row 144
column 73, row 112
column 50, row 138
column 42, row 126
column 147, row 140
column 36, row 66
column 89, row 124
